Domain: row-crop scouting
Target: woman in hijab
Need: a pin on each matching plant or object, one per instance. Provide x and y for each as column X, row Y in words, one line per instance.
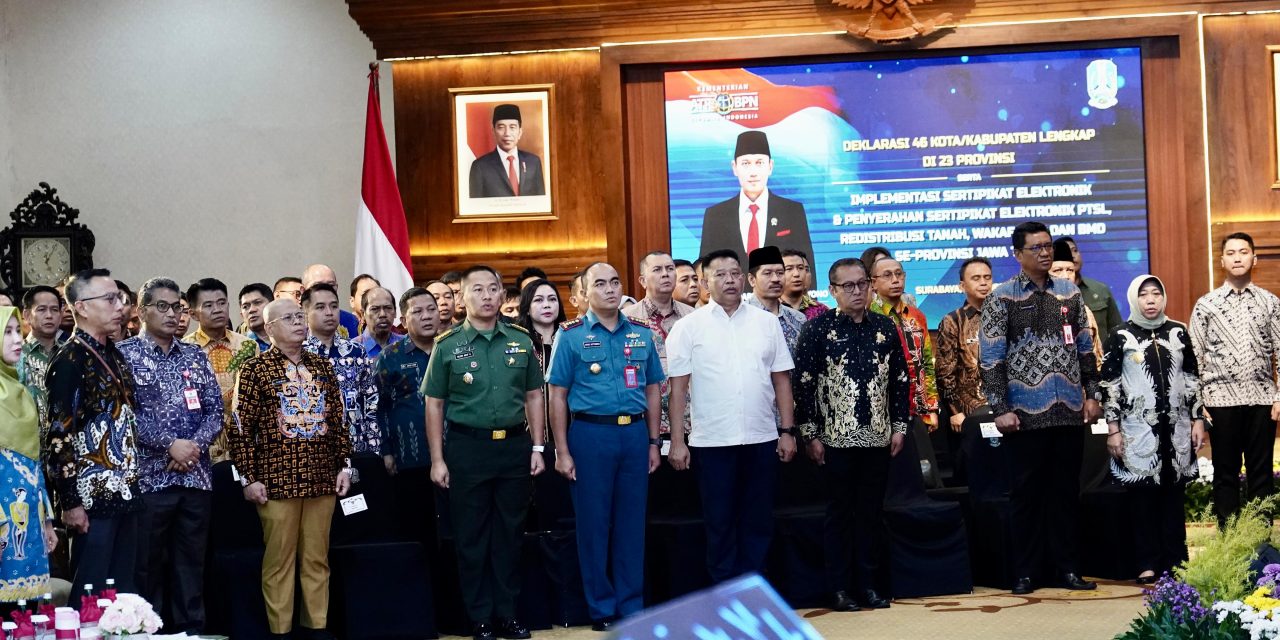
column 1155, row 423
column 26, row 517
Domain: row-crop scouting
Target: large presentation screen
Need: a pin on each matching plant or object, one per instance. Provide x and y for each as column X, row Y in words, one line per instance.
column 933, row 158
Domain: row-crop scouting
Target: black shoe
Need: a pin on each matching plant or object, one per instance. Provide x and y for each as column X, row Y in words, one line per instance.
column 511, row 629
column 316, row 634
column 1022, row 586
column 1076, row 583
column 602, row 625
column 844, row 603
column 1151, row 579
column 281, row 636
column 873, row 600
column 482, row 631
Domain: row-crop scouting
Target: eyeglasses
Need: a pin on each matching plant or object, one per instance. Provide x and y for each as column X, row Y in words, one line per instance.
column 852, row 285
column 293, row 318
column 893, row 275
column 166, row 307
column 115, row 297
column 1039, row 248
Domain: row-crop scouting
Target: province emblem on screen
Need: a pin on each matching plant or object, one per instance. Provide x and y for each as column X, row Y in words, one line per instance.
column 1103, row 84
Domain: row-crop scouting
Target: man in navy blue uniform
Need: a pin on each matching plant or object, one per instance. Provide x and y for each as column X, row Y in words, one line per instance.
column 606, row 377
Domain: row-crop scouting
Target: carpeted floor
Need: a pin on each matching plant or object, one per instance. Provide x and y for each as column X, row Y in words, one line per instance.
column 986, row 614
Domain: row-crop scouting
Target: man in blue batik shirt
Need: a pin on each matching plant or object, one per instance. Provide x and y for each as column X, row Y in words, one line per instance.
column 355, row 374
column 402, row 416
column 1040, row 376
column 179, row 415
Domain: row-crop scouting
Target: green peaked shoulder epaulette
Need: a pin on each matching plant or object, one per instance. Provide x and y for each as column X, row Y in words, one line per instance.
column 446, row 334
column 569, row 324
column 519, row 327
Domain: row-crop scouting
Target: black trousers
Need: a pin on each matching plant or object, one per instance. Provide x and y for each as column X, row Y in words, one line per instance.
column 1246, row 431
column 1159, row 526
column 113, row 548
column 853, row 530
column 1044, row 493
column 416, row 508
column 737, row 485
column 176, row 531
column 489, row 492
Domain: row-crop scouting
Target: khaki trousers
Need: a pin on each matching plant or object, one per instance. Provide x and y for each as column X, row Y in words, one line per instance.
column 292, row 528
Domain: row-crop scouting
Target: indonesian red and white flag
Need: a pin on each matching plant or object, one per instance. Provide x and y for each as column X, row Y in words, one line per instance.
column 382, row 235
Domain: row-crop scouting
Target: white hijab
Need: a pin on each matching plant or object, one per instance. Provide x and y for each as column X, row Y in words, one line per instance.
column 1135, row 313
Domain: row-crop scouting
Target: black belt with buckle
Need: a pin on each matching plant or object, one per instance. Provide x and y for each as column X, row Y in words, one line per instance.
column 615, row 420
column 489, row 434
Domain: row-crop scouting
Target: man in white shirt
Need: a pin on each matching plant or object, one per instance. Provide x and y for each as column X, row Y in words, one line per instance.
column 736, row 359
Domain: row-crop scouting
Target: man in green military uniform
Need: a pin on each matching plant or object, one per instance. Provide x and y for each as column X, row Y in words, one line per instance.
column 487, row 373
column 1097, row 295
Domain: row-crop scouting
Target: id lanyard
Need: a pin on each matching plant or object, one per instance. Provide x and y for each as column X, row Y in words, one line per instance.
column 115, row 379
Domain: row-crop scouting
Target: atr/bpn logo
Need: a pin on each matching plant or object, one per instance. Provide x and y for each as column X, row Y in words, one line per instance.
column 731, row 105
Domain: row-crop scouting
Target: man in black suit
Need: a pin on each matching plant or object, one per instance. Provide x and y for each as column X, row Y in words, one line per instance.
column 507, row 171
column 755, row 217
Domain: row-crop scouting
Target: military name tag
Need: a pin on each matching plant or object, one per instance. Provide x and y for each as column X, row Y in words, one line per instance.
column 592, row 344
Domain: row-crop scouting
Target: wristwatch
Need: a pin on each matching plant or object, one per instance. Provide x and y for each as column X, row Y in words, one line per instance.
column 791, row 431
column 656, row 442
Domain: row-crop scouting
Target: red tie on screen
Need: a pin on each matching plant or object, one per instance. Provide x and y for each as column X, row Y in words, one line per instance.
column 511, row 175
column 753, row 233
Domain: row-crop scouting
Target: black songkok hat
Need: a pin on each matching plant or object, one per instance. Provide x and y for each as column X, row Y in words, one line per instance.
column 752, row 143
column 762, row 256
column 506, row 112
column 1062, row 251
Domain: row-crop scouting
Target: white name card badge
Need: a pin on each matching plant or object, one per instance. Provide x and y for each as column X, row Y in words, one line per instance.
column 989, row 430
column 354, row 504
column 1099, row 428
column 666, row 447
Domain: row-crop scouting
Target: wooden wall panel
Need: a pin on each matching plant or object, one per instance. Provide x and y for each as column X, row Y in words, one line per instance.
column 400, row 28
column 424, row 160
column 1242, row 134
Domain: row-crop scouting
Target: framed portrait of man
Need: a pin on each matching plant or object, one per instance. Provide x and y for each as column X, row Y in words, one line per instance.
column 503, row 153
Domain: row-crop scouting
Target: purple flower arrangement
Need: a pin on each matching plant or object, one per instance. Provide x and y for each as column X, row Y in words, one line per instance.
column 1181, row 599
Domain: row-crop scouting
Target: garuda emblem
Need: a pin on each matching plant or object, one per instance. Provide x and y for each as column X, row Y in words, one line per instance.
column 892, row 20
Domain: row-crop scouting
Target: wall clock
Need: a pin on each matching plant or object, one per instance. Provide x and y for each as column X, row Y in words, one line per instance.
column 44, row 244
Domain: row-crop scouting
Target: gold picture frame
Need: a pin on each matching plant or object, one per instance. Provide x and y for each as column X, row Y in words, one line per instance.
column 493, row 184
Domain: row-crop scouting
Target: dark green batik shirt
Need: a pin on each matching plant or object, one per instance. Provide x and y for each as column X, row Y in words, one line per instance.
column 483, row 378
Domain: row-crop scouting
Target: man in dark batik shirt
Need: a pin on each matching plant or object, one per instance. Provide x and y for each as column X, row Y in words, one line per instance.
column 291, row 447
column 91, row 441
column 853, row 410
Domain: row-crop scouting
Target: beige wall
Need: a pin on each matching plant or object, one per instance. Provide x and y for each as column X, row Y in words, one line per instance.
column 198, row 138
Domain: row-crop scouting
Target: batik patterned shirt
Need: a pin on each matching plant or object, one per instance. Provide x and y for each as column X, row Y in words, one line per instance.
column 959, row 374
column 789, row 319
column 810, row 308
column 1028, row 364
column 161, row 380
column 289, row 432
column 225, row 357
column 661, row 323
column 851, row 382
column 92, row 438
column 915, row 333
column 32, row 370
column 1236, row 334
column 401, row 409
column 359, row 390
